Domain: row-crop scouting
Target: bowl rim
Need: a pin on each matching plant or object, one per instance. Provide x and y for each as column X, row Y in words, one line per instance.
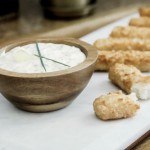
column 87, row 49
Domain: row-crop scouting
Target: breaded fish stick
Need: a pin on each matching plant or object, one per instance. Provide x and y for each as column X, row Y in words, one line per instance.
column 140, row 59
column 144, row 11
column 115, row 105
column 130, row 79
column 123, row 44
column 140, row 22
column 130, row 32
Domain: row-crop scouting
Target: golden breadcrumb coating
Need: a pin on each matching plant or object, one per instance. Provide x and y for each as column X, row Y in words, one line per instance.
column 130, row 79
column 106, row 59
column 140, row 22
column 124, row 76
column 122, row 44
column 115, row 105
column 144, row 11
column 131, row 32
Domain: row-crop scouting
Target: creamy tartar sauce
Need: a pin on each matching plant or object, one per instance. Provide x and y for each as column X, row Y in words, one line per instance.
column 25, row 59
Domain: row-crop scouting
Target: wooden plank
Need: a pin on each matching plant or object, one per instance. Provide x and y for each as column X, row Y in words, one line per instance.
column 84, row 26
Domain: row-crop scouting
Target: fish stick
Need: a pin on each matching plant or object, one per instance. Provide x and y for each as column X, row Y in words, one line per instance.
column 115, row 105
column 130, row 79
column 122, row 44
column 144, row 11
column 130, row 32
column 140, row 22
column 106, row 59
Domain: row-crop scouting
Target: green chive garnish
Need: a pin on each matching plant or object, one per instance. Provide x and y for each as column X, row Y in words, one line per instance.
column 53, row 60
column 39, row 55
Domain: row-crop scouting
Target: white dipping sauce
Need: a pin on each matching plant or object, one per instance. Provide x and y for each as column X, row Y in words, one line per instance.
column 23, row 60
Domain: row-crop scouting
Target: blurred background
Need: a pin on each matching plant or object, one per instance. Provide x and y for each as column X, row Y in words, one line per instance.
column 27, row 18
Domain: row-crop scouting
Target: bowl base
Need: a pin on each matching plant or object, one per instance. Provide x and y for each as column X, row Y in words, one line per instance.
column 42, row 108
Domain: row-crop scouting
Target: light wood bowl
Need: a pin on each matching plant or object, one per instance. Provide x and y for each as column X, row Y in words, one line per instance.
column 42, row 92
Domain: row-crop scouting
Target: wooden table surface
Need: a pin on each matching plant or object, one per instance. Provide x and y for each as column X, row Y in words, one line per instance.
column 80, row 27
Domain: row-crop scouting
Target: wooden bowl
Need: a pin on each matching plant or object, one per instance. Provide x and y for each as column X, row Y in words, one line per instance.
column 42, row 92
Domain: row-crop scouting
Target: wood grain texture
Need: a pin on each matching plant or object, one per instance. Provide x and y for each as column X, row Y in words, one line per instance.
column 142, row 143
column 41, row 92
column 80, row 28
